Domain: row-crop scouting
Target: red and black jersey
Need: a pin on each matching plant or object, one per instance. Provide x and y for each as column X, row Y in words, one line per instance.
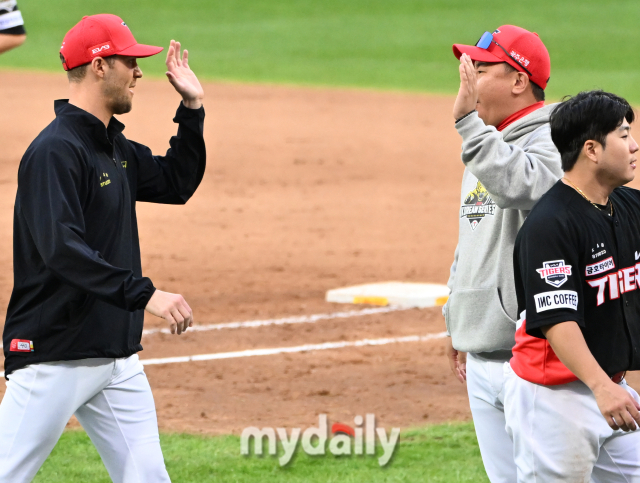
column 576, row 262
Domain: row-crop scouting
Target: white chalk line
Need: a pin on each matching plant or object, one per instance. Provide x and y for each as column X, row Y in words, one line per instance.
column 288, row 350
column 299, row 319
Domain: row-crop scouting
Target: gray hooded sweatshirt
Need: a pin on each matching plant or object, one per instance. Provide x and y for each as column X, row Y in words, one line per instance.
column 506, row 173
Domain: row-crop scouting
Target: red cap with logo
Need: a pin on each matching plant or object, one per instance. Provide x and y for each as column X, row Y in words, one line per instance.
column 516, row 46
column 101, row 36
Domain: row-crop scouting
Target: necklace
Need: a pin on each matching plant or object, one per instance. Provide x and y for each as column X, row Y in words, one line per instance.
column 609, row 202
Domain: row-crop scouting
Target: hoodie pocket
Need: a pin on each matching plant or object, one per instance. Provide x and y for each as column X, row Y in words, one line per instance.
column 477, row 321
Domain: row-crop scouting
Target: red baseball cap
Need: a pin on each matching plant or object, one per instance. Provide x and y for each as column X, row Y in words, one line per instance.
column 516, row 46
column 101, row 36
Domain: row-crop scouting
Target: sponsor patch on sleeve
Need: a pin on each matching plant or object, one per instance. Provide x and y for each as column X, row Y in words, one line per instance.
column 559, row 299
column 600, row 267
column 19, row 345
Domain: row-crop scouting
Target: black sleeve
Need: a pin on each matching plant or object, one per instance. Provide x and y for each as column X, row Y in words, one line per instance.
column 11, row 22
column 547, row 259
column 53, row 185
column 173, row 178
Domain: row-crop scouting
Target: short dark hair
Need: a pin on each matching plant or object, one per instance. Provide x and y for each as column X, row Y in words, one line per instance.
column 588, row 115
column 78, row 73
column 538, row 92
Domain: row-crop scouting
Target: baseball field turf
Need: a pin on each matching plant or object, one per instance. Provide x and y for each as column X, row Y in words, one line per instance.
column 444, row 453
column 373, row 44
column 400, row 44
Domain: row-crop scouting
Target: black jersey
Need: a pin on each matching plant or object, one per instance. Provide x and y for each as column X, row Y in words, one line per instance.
column 10, row 18
column 78, row 286
column 575, row 262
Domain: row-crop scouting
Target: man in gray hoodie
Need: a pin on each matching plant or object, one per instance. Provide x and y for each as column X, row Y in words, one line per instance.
column 510, row 162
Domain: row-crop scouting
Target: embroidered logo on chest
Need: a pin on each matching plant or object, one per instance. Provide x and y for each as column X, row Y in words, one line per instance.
column 598, row 251
column 104, row 180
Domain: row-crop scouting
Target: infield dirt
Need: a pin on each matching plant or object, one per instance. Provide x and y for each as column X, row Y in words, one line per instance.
column 305, row 190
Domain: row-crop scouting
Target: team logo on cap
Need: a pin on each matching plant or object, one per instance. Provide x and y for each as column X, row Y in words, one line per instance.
column 100, row 49
column 477, row 205
column 555, row 272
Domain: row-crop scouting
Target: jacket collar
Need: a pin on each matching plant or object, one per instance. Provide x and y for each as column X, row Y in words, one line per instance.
column 519, row 115
column 86, row 121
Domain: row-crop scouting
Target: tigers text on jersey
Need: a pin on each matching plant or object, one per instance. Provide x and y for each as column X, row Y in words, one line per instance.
column 575, row 262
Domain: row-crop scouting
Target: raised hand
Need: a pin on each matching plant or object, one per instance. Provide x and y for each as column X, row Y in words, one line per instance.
column 182, row 77
column 468, row 92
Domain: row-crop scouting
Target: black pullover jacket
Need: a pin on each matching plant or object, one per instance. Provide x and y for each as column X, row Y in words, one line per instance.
column 78, row 286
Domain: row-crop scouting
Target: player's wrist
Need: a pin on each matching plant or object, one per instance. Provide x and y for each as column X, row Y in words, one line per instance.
column 192, row 103
column 598, row 382
column 464, row 116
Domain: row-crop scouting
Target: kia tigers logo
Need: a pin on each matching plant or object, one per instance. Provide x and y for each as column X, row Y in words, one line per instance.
column 555, row 272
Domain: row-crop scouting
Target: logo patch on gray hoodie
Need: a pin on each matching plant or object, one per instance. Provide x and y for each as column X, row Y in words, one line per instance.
column 477, row 205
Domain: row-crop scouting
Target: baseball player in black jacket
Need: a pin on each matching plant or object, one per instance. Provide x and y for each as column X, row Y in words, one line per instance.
column 75, row 317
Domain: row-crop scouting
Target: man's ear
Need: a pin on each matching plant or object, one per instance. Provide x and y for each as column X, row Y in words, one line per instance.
column 520, row 83
column 98, row 66
column 591, row 149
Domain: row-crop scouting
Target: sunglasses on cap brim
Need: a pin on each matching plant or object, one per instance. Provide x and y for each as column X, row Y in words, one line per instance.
column 486, row 40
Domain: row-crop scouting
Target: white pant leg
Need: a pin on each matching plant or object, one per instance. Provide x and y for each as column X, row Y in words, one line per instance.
column 121, row 422
column 485, row 381
column 559, row 434
column 37, row 404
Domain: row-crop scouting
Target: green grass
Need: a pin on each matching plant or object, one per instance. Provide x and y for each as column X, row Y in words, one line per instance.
column 444, row 453
column 387, row 44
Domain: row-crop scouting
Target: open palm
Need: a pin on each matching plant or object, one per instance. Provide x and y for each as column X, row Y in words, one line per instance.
column 182, row 77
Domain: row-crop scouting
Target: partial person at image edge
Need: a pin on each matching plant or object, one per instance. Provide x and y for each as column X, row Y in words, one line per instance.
column 568, row 407
column 12, row 32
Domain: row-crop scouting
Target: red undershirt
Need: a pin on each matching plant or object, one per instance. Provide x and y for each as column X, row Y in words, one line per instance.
column 519, row 115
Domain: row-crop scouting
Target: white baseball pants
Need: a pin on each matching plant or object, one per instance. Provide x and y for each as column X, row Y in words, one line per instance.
column 485, row 384
column 559, row 434
column 110, row 397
